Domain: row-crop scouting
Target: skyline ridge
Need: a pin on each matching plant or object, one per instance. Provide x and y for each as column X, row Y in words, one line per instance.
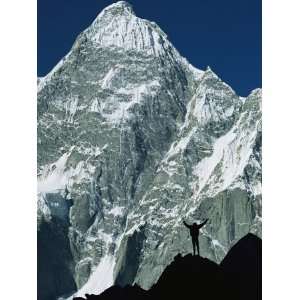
column 134, row 9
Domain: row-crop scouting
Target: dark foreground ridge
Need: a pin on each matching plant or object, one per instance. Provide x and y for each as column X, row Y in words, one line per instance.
column 193, row 277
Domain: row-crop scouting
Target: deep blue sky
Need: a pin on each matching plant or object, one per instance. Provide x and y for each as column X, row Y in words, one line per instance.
column 224, row 34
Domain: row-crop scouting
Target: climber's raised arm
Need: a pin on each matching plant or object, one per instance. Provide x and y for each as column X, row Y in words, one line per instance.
column 202, row 224
column 186, row 225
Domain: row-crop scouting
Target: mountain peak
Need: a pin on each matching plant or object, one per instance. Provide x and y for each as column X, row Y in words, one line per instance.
column 128, row 130
column 119, row 7
column 117, row 26
column 210, row 72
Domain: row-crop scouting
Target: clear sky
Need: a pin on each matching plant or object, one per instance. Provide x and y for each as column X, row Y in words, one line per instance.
column 224, row 34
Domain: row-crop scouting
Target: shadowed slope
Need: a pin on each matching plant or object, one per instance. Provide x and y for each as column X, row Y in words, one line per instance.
column 193, row 277
column 190, row 277
column 242, row 267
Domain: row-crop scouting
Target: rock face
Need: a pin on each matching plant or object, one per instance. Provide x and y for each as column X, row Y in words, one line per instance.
column 131, row 140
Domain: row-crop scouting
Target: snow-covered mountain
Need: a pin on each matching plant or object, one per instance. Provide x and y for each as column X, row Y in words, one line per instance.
column 131, row 140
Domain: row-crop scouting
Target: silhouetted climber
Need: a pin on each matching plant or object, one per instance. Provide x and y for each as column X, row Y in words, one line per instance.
column 194, row 232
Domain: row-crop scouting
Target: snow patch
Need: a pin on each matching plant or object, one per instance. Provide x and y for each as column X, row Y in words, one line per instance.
column 216, row 244
column 55, row 177
column 119, row 111
column 106, row 81
column 231, row 154
column 117, row 211
column 177, row 147
column 71, row 108
column 100, row 280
